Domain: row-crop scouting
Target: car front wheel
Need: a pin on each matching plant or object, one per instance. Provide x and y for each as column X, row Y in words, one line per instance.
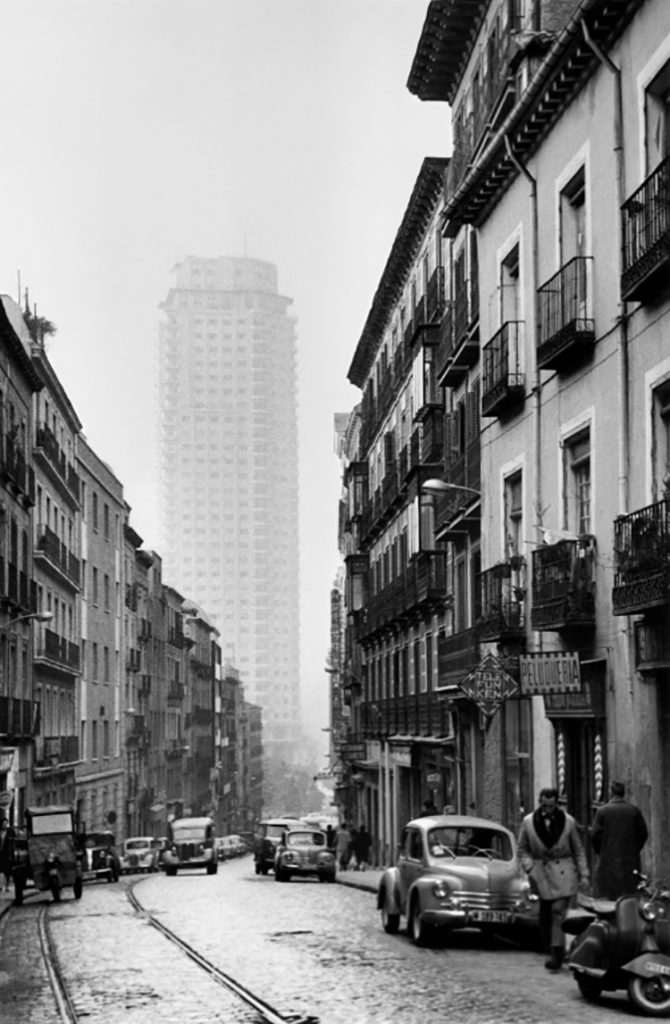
column 390, row 922
column 419, row 932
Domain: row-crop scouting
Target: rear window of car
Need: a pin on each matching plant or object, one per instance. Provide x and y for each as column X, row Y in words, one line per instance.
column 467, row 842
column 305, row 839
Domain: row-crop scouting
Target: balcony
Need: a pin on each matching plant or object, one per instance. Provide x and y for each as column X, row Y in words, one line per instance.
column 15, row 471
column 503, row 383
column 457, row 655
column 646, row 237
column 47, row 446
column 465, row 341
column 59, row 651
column 49, row 546
column 18, row 718
column 566, row 333
column 563, row 586
column 20, row 590
column 133, row 660
column 175, row 693
column 502, row 590
column 144, row 685
column 642, row 559
column 420, row 588
column 57, row 750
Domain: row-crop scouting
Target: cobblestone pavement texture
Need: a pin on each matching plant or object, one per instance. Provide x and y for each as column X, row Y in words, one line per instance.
column 303, row 947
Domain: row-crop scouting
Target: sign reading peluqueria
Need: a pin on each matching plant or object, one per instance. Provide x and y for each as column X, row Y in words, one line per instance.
column 553, row 672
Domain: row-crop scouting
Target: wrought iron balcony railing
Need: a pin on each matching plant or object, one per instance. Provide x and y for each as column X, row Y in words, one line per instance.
column 566, row 332
column 563, row 585
column 642, row 554
column 645, row 219
column 502, row 596
column 503, row 382
column 18, row 717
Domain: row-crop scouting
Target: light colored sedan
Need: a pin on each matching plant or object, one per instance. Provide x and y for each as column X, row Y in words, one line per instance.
column 139, row 853
column 453, row 872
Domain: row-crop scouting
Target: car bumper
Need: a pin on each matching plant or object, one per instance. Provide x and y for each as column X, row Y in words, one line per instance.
column 470, row 918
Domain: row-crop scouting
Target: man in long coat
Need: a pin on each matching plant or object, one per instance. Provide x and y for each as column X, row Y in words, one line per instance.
column 619, row 832
column 552, row 853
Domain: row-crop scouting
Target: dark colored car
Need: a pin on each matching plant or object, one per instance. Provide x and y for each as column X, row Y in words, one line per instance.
column 100, row 859
column 266, row 839
column 304, row 851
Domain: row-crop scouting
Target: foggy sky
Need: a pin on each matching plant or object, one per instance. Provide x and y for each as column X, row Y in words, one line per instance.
column 140, row 131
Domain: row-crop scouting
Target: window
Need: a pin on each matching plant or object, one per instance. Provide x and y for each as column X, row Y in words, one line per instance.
column 573, row 218
column 94, row 510
column 517, row 733
column 95, row 585
column 577, row 483
column 657, row 118
column 105, row 520
column 106, row 589
column 661, row 441
column 94, row 739
column 513, row 516
column 95, row 662
column 510, row 299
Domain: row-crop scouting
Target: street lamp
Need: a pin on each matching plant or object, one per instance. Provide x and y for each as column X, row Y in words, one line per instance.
column 435, row 486
column 37, row 616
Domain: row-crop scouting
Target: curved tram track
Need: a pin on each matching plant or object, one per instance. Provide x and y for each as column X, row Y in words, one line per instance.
column 65, row 999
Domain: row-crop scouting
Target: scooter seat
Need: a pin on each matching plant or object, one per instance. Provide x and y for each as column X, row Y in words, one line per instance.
column 601, row 907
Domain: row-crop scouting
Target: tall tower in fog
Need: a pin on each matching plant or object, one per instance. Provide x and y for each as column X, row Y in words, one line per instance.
column 228, row 438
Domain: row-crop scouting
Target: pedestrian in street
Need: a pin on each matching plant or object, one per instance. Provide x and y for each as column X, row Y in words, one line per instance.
column 342, row 842
column 552, row 854
column 362, row 844
column 6, row 852
column 352, row 858
column 618, row 834
column 330, row 836
column 428, row 807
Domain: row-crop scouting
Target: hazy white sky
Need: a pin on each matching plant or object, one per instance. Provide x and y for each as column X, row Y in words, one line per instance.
column 139, row 131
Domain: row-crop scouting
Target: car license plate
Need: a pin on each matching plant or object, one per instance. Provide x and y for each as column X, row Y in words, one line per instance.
column 491, row 916
column 88, row 875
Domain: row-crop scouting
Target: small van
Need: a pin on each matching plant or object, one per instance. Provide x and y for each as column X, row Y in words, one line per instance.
column 190, row 845
column 267, row 837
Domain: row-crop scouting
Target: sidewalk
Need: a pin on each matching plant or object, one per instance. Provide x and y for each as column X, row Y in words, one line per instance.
column 367, row 880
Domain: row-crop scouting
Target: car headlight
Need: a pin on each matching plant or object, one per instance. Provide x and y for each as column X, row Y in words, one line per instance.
column 441, row 889
column 649, row 911
column 325, row 858
column 289, row 857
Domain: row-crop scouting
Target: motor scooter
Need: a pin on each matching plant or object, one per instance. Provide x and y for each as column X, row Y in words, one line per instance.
column 624, row 944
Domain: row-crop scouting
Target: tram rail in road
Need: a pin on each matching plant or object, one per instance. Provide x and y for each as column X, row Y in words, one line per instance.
column 66, row 1005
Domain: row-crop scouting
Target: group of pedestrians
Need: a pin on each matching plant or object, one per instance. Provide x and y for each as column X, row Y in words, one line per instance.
column 351, row 846
column 552, row 854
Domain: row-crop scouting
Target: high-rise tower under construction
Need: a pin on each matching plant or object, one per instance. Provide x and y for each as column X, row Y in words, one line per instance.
column 229, row 470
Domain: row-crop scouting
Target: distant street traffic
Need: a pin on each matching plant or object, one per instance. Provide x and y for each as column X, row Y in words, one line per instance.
column 309, row 952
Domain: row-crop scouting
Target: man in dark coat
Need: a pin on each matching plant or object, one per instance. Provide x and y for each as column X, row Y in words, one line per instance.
column 619, row 832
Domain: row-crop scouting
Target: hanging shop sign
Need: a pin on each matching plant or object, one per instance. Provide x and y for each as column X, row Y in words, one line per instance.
column 488, row 685
column 554, row 672
column 402, row 756
column 353, row 751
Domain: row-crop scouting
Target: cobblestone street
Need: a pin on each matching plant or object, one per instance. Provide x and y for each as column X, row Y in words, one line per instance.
column 306, row 949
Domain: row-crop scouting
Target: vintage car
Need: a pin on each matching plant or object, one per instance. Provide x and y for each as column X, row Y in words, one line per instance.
column 139, row 853
column 455, row 872
column 266, row 839
column 190, row 845
column 100, row 859
column 303, row 850
column 48, row 853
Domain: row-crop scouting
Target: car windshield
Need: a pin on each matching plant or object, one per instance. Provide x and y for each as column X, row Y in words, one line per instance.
column 275, row 831
column 305, row 839
column 181, row 835
column 45, row 824
column 138, row 844
column 462, row 841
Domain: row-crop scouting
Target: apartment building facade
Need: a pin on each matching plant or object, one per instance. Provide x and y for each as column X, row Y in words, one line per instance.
column 108, row 646
column 229, row 474
column 560, row 177
column 19, row 706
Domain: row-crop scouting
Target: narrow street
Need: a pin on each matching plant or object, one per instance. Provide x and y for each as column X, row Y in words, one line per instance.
column 310, row 951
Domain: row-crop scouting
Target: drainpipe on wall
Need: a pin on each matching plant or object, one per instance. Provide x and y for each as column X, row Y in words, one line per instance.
column 624, row 409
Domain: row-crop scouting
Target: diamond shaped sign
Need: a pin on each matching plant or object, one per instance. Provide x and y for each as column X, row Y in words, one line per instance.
column 488, row 685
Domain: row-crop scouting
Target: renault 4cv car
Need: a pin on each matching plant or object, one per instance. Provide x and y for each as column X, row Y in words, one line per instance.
column 266, row 839
column 454, row 872
column 304, row 851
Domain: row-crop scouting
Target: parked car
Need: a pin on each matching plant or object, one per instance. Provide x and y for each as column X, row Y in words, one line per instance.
column 455, row 872
column 304, row 851
column 224, row 848
column 100, row 859
column 238, row 844
column 191, row 845
column 139, row 853
column 266, row 839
